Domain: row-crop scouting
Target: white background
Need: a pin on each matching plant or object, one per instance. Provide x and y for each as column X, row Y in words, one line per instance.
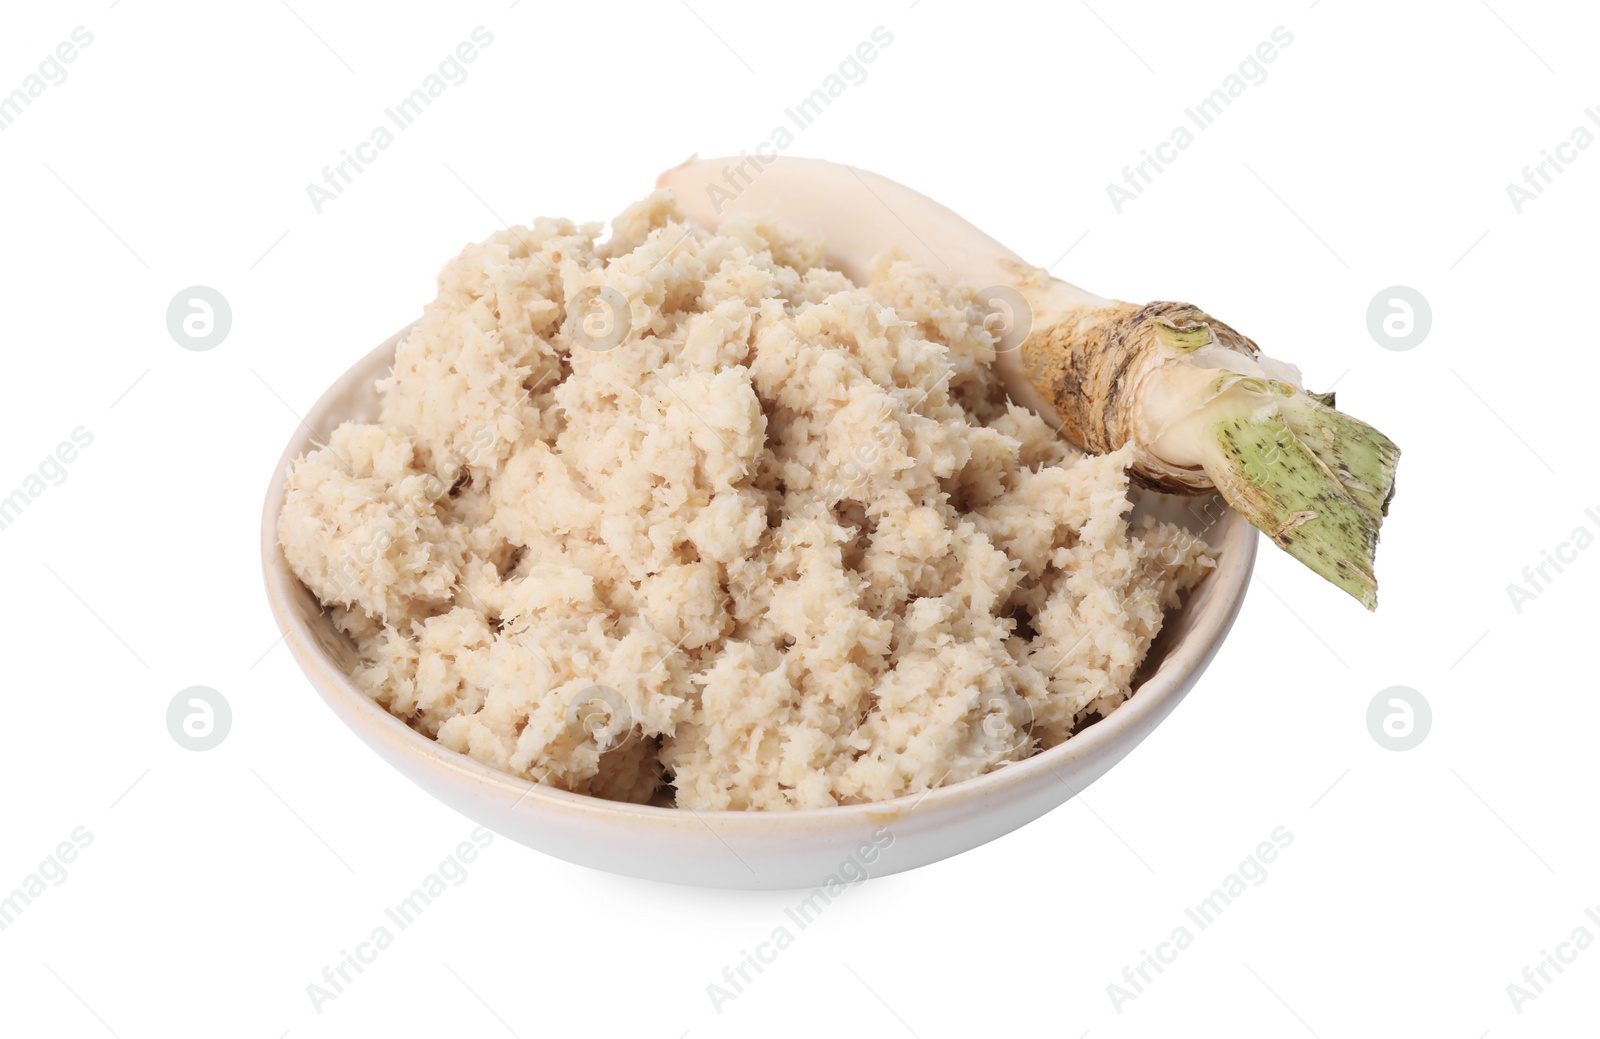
column 1376, row 152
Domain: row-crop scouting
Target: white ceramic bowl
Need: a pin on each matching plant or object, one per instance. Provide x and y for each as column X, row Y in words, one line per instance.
column 803, row 849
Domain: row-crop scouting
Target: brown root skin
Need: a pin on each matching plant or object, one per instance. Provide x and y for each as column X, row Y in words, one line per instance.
column 1089, row 365
column 1315, row 480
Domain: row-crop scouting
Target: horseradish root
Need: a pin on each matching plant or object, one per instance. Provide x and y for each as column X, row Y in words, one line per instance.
column 1201, row 405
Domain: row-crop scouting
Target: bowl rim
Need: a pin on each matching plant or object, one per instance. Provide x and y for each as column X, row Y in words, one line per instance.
column 1152, row 698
